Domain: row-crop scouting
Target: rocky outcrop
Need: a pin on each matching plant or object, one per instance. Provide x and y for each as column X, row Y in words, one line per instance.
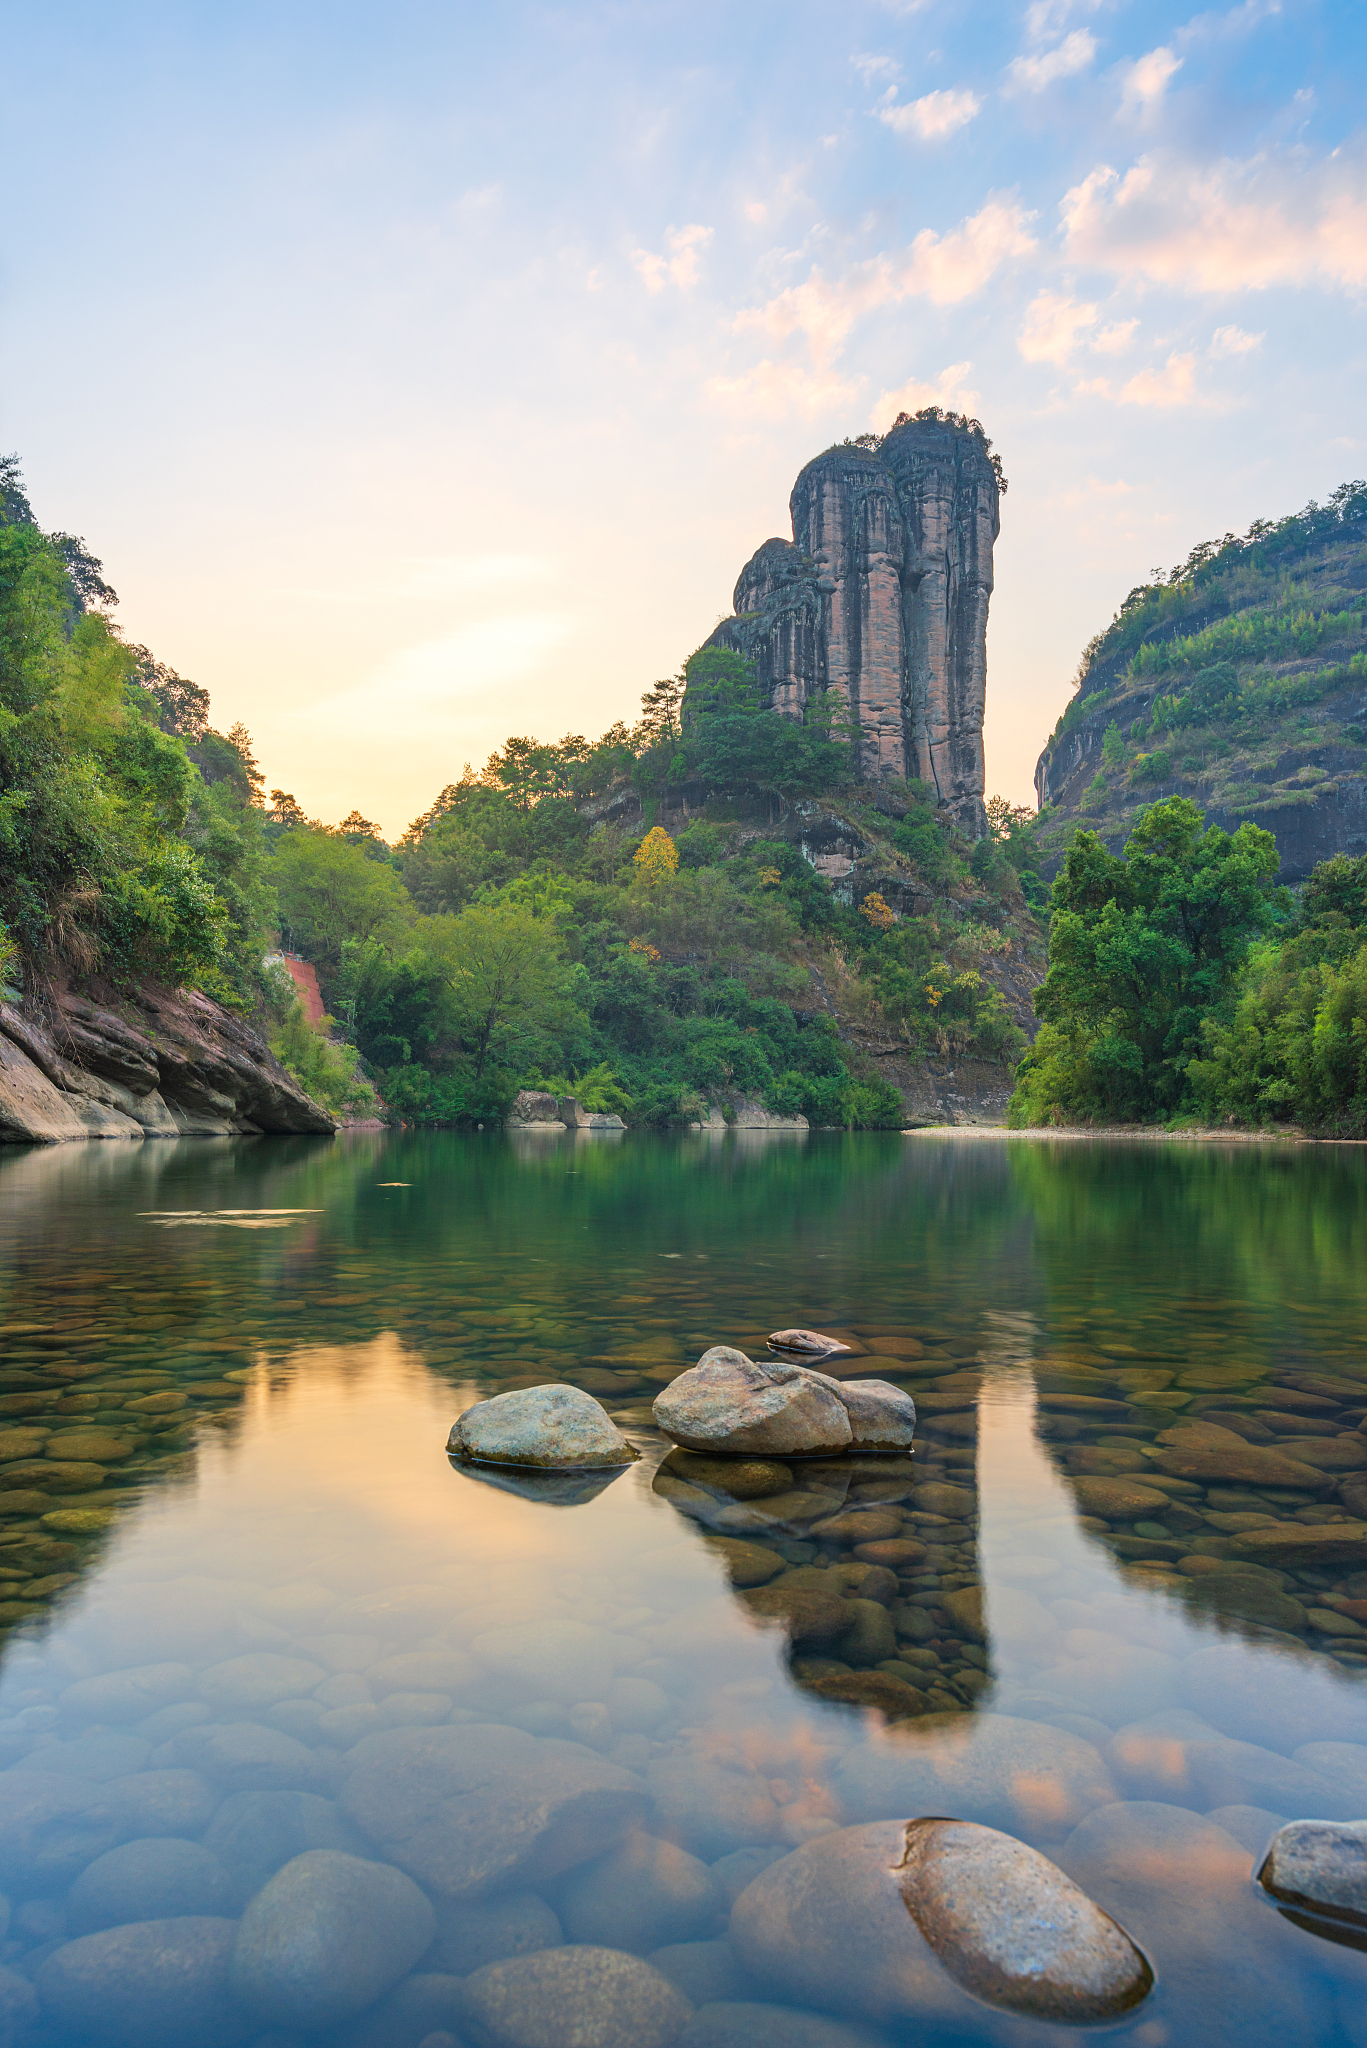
column 882, row 596
column 168, row 1064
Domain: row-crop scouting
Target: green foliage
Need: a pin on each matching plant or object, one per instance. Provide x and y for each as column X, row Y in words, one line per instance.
column 1113, row 747
column 330, row 891
column 323, row 1070
column 1144, row 948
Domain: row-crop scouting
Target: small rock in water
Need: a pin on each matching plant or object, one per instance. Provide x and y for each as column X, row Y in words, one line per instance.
column 575, row 1998
column 641, row 1895
column 478, row 1931
column 1320, row 1865
column 730, row 1403
column 326, row 1937
column 705, row 1971
column 424, row 2011
column 806, row 1344
column 155, row 1984
column 154, row 1879
column 733, row 1478
column 254, row 1834
column 555, row 1428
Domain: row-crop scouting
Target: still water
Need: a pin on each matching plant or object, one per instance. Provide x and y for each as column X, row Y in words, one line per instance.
column 533, row 1740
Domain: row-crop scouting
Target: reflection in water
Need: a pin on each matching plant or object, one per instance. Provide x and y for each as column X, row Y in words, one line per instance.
column 252, row 1610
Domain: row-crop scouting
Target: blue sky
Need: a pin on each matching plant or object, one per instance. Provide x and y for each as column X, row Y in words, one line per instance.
column 427, row 374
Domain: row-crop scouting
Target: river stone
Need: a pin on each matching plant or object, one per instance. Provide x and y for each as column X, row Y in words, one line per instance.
column 1175, row 1756
column 55, row 1475
column 705, row 1971
column 1296, row 1544
column 473, row 1809
column 807, row 1344
column 425, row 2011
column 1327, row 1454
column 50, row 1828
column 868, row 1525
column 741, row 1478
column 158, row 1878
column 1118, row 1500
column 1012, row 1929
column 747, row 1564
column 327, row 1936
column 882, row 1417
column 567, row 1661
column 743, row 2025
column 894, row 1697
column 127, row 1695
column 575, row 1998
column 97, row 1758
column 450, row 1671
column 555, row 1428
column 708, row 1808
column 1320, row 1865
column 246, row 1757
column 809, row 1613
column 942, row 1497
column 260, row 1679
column 728, row 1402
column 964, row 1606
column 1021, row 1776
column 1203, row 1450
column 479, row 1931
column 641, row 1895
column 155, row 1984
column 97, row 1446
column 254, row 1834
column 870, row 1638
column 637, row 1705
column 160, row 1803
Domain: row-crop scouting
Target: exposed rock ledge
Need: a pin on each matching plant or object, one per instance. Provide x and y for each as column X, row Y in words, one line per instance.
column 170, row 1064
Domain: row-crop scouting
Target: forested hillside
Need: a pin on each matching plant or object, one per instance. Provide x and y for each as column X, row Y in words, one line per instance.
column 645, row 921
column 1239, row 680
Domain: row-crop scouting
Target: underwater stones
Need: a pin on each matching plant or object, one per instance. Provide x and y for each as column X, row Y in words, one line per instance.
column 1024, row 1777
column 741, row 2024
column 1203, row 1450
column 903, row 1919
column 866, row 1525
column 709, row 1809
column 747, row 1564
column 895, row 1554
column 1176, row 1756
column 870, row 1637
column 942, row 1497
column 705, row 1971
column 806, row 1344
column 964, row 1606
column 50, row 1828
column 728, row 1402
column 740, row 1478
column 1118, row 1500
column 1296, row 1544
column 809, row 1613
column 328, row 1935
column 1321, row 1866
column 893, row 1697
column 244, row 1756
column 469, row 1810
column 260, row 1679
column 479, row 1931
column 555, row 1428
column 882, row 1417
column 254, row 1834
column 159, row 1803
column 157, row 1878
column 567, row 1661
column 580, row 1997
column 1284, row 1701
column 154, row 1984
column 643, row 1894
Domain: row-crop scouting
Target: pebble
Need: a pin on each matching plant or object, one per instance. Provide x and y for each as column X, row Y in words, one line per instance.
column 156, row 1984
column 1177, row 1757
column 326, row 1937
column 807, row 1344
column 50, row 1828
column 127, row 1695
column 469, row 1810
column 1297, row 1544
column 941, row 1497
column 641, row 1895
column 580, row 1997
column 705, row 1971
column 254, row 1834
column 809, row 1612
column 425, row 2011
column 709, row 1809
column 157, row 1878
column 450, row 1671
column 160, row 1803
column 244, row 1756
column 636, row 1705
column 549, row 1428
column 258, row 1680
column 479, row 1931
column 1319, row 1865
column 96, row 1758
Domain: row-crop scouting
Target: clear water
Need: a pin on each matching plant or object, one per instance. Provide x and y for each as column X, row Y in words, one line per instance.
column 233, row 1553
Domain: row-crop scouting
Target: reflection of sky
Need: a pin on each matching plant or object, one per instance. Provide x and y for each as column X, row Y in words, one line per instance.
column 467, row 354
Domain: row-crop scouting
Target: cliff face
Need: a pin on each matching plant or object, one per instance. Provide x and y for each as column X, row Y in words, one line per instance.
column 882, row 596
column 1242, row 686
column 172, row 1064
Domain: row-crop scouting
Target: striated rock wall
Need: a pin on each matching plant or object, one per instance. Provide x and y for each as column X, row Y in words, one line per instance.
column 882, row 596
column 170, row 1065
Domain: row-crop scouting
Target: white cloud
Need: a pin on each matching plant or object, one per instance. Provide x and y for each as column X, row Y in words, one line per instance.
column 1054, row 324
column 1073, row 54
column 1115, row 339
column 948, row 390
column 937, row 114
column 1225, row 226
column 428, row 691
column 945, row 269
column 870, row 68
column 1174, row 384
column 1046, row 17
column 1144, row 82
column 1233, row 341
column 679, row 266
column 773, row 391
column 756, row 211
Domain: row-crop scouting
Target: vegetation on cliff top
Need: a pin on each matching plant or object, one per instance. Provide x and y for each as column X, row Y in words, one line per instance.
column 535, row 926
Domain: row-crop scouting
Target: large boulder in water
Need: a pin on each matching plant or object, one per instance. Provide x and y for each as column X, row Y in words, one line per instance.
column 755, row 1408
column 882, row 1417
column 554, row 1428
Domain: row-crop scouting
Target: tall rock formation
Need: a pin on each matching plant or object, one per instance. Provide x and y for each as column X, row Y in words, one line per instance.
column 882, row 596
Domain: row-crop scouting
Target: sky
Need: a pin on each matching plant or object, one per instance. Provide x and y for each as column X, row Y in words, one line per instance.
column 427, row 374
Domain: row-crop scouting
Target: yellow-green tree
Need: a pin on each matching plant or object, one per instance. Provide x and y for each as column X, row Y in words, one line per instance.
column 657, row 857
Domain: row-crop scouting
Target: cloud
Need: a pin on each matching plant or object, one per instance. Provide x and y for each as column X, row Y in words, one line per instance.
column 1115, row 339
column 1226, row 226
column 1047, row 17
column 756, row 211
column 441, row 578
column 870, row 68
column 774, row 391
column 680, row 266
column 948, row 390
column 1174, row 384
column 1033, row 74
column 946, row 269
column 939, row 113
column 1054, row 322
column 1233, row 341
column 1145, row 81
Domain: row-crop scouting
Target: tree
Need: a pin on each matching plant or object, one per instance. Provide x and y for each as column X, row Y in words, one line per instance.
column 1113, row 746
column 330, row 892
column 1144, row 947
column 509, row 984
column 657, row 857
